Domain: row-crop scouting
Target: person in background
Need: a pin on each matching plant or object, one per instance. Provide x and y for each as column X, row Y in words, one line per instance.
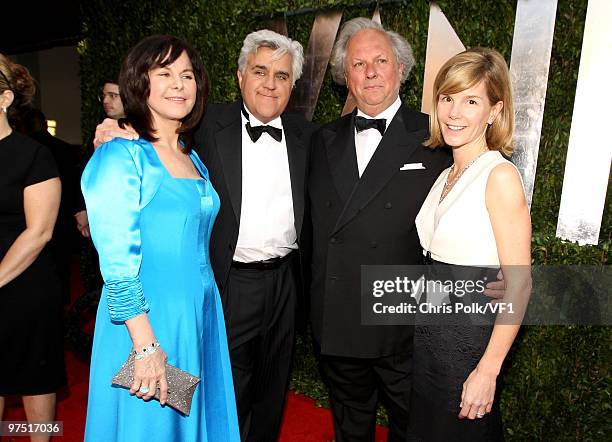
column 113, row 108
column 30, row 297
column 111, row 100
column 152, row 206
column 475, row 215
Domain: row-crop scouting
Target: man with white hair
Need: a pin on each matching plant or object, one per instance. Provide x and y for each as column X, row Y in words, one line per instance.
column 368, row 177
column 256, row 156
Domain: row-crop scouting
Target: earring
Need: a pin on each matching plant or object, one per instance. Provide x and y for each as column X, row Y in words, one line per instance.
column 3, row 109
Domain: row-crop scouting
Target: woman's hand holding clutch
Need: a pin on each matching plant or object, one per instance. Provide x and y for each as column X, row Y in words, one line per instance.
column 149, row 374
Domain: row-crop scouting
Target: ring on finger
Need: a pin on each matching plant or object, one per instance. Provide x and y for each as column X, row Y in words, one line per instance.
column 144, row 390
column 480, row 414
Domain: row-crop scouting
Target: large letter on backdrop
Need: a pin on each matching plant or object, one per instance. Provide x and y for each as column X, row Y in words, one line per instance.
column 587, row 167
column 320, row 43
column 442, row 44
column 533, row 36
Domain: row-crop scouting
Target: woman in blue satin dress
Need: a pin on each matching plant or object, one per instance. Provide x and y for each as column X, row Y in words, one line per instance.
column 151, row 209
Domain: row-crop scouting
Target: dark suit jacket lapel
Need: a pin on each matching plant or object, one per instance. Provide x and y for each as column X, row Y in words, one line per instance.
column 296, row 154
column 228, row 137
column 399, row 142
column 342, row 157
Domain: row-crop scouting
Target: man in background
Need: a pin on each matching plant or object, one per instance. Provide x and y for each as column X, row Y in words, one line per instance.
column 113, row 108
column 111, row 100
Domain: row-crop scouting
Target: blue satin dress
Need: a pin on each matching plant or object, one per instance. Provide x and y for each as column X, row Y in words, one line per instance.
column 152, row 233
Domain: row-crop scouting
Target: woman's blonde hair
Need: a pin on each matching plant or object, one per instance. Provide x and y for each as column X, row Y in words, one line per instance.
column 465, row 70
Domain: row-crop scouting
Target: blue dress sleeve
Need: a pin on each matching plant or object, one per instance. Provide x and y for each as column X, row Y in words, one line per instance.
column 111, row 185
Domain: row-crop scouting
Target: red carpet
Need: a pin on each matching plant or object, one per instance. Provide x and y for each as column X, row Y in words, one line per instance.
column 72, row 403
column 303, row 421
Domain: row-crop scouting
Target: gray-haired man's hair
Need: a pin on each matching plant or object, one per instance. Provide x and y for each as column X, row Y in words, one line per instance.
column 401, row 48
column 281, row 44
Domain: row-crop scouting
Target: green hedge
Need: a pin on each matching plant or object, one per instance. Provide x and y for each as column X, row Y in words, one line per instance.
column 557, row 379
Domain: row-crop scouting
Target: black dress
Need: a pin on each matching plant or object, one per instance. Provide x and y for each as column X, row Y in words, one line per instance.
column 30, row 305
column 447, row 348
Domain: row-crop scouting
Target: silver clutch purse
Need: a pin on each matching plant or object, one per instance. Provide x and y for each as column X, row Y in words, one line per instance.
column 181, row 385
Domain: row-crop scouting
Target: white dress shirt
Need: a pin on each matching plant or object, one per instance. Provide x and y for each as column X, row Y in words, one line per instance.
column 267, row 228
column 367, row 140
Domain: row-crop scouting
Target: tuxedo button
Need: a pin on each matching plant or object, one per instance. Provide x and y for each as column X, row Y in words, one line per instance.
column 327, row 203
column 373, row 244
column 333, row 278
column 388, row 205
column 334, row 241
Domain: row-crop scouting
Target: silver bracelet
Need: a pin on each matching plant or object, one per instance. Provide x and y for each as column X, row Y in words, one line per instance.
column 145, row 351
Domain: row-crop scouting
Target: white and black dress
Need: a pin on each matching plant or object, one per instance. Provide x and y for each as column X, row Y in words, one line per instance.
column 458, row 241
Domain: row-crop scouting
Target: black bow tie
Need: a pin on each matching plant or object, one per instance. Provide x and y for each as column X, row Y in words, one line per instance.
column 362, row 123
column 256, row 131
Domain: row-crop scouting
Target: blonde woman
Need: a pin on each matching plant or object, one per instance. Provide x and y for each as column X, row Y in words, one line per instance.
column 475, row 216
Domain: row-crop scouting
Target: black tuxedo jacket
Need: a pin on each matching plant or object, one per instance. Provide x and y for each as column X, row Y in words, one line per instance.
column 367, row 220
column 219, row 144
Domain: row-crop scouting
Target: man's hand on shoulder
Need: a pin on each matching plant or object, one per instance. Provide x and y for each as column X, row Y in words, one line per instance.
column 109, row 129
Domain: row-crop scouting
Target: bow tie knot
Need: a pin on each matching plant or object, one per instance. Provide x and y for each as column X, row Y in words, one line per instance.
column 255, row 132
column 362, row 123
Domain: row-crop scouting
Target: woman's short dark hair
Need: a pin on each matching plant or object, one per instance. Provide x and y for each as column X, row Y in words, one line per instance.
column 135, row 87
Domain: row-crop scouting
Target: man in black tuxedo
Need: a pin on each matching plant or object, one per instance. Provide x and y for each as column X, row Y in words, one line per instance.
column 256, row 155
column 363, row 209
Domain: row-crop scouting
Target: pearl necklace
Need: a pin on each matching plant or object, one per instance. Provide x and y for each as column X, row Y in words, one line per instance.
column 448, row 185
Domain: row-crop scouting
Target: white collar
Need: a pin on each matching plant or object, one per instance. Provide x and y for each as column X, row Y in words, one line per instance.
column 387, row 114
